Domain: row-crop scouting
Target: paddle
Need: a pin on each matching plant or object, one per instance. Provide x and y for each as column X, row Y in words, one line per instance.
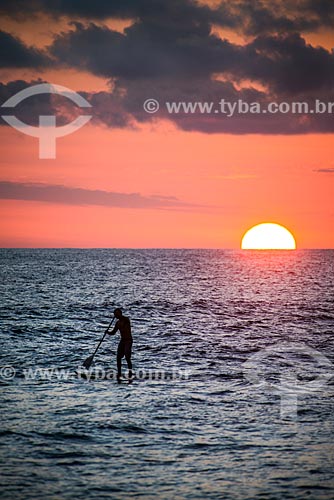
column 87, row 363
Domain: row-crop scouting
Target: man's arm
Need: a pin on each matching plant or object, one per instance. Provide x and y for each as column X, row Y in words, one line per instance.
column 114, row 330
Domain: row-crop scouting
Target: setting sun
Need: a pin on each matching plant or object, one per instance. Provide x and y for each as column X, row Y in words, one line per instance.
column 268, row 236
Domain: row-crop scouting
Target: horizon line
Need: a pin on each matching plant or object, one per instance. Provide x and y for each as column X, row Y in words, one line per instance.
column 167, row 248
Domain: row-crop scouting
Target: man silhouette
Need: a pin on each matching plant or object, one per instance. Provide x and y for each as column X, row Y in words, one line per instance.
column 123, row 325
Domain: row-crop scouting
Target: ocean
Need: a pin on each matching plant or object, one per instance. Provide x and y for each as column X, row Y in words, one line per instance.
column 233, row 353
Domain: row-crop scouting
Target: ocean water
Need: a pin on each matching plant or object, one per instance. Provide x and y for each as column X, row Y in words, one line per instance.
column 234, row 357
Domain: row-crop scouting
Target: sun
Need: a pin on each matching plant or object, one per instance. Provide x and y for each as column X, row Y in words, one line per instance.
column 268, row 236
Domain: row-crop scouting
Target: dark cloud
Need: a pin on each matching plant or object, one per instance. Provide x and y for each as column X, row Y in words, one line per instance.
column 320, row 9
column 182, row 70
column 20, row 8
column 280, row 16
column 32, row 107
column 289, row 65
column 15, row 54
column 284, row 63
column 144, row 52
column 123, row 107
column 77, row 196
column 251, row 17
column 107, row 107
column 177, row 12
column 169, row 53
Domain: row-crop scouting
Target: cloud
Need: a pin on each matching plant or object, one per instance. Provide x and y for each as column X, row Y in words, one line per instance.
column 177, row 11
column 145, row 63
column 64, row 195
column 15, row 54
column 284, row 63
column 289, row 66
column 204, row 91
column 254, row 18
column 280, row 16
column 107, row 107
column 170, row 53
column 123, row 107
column 144, row 51
column 325, row 170
column 31, row 108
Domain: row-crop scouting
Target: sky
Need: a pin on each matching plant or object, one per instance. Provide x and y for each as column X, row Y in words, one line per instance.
column 135, row 179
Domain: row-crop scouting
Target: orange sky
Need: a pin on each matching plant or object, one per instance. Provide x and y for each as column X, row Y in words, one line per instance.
column 228, row 182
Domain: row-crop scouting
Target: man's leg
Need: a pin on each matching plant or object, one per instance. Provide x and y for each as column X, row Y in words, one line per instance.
column 127, row 352
column 120, row 354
